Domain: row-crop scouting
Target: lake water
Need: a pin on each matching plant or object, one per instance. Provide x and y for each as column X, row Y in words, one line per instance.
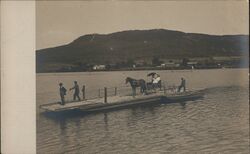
column 219, row 123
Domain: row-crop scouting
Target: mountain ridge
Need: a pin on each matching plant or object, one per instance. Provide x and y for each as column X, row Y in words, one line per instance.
column 142, row 44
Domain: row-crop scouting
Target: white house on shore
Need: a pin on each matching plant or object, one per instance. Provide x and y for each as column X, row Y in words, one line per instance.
column 99, row 67
column 169, row 64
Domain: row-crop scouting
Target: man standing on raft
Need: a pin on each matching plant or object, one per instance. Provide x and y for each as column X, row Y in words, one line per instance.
column 62, row 93
column 77, row 91
column 183, row 85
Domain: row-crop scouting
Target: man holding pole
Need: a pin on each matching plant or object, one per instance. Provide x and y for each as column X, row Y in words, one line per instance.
column 77, row 91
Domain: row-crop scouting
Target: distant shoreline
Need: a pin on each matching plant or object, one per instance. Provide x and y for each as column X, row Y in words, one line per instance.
column 140, row 69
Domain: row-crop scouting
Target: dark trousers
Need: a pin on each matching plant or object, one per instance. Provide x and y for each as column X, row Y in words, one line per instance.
column 76, row 95
column 62, row 99
column 181, row 86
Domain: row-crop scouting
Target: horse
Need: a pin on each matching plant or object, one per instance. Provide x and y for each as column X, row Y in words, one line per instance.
column 137, row 83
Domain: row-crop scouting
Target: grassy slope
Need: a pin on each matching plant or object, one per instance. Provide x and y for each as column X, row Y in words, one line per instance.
column 141, row 44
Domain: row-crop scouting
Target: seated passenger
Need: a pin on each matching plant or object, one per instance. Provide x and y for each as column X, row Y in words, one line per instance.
column 156, row 81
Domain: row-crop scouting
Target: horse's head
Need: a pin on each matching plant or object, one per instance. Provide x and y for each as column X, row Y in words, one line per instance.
column 127, row 79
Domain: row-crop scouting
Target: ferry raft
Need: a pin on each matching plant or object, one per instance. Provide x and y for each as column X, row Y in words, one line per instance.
column 118, row 102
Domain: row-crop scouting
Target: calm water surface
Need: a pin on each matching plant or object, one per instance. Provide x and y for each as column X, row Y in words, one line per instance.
column 219, row 123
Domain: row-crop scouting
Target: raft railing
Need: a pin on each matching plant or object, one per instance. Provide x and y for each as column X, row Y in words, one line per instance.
column 105, row 92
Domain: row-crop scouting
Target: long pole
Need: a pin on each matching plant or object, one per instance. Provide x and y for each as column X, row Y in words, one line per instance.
column 115, row 91
column 83, row 92
column 105, row 95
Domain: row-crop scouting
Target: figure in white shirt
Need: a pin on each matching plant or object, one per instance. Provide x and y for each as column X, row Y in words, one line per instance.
column 156, row 81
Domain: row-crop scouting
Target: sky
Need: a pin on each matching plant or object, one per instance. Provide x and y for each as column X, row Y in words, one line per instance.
column 61, row 22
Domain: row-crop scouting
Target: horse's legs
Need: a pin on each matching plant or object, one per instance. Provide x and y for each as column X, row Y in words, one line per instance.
column 144, row 90
column 133, row 91
column 144, row 87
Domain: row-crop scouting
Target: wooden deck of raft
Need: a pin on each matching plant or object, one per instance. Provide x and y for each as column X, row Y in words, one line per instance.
column 117, row 101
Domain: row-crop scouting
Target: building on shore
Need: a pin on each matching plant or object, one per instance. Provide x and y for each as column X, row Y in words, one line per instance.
column 169, row 64
column 99, row 67
column 192, row 64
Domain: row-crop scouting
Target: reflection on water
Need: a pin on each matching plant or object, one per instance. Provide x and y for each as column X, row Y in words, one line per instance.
column 216, row 124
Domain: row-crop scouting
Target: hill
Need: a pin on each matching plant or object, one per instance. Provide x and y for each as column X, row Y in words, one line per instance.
column 139, row 45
